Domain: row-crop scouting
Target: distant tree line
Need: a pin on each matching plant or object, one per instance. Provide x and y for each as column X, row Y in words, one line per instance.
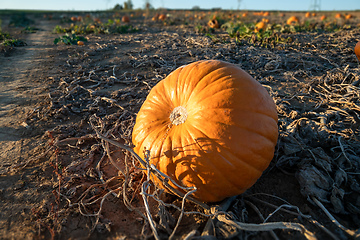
column 128, row 5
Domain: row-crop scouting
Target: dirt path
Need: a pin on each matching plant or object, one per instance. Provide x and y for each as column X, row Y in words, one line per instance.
column 20, row 92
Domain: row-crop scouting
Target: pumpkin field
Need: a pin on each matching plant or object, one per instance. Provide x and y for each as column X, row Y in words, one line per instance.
column 86, row 152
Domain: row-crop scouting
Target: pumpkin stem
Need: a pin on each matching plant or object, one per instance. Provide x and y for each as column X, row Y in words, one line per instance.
column 178, row 115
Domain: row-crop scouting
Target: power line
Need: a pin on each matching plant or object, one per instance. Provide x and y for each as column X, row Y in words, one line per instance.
column 315, row 5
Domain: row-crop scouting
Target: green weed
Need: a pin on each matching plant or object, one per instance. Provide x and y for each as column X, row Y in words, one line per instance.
column 29, row 30
column 14, row 43
column 4, row 36
column 245, row 32
column 70, row 39
column 111, row 27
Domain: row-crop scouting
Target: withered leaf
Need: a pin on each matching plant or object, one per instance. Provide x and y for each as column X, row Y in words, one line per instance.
column 313, row 182
column 340, row 177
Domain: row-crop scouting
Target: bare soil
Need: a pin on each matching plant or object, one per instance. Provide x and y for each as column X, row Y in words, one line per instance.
column 58, row 180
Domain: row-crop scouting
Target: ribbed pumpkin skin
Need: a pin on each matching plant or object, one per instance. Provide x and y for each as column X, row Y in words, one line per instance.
column 357, row 50
column 228, row 138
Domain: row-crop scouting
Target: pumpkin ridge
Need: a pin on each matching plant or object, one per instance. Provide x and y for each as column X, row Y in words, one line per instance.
column 264, row 114
column 227, row 150
column 158, row 160
column 254, row 130
column 185, row 75
column 171, row 174
column 267, row 139
column 220, row 146
column 235, row 123
column 201, row 79
column 241, row 159
column 219, row 174
column 219, row 75
column 251, row 131
column 243, row 108
column 223, row 80
column 141, row 144
column 177, row 94
column 252, row 110
column 216, row 82
column 160, row 88
column 197, row 142
column 198, row 102
column 216, row 171
column 247, row 163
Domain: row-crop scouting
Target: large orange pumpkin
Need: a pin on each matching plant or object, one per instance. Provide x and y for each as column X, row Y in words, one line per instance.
column 357, row 50
column 208, row 124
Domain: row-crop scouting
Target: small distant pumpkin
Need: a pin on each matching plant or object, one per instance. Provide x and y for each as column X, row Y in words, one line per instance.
column 244, row 14
column 125, row 19
column 292, row 20
column 208, row 125
column 323, row 18
column 308, row 14
column 81, row 43
column 162, row 17
column 348, row 16
column 260, row 26
column 213, row 23
column 156, row 17
column 357, row 50
column 338, row 16
column 265, row 20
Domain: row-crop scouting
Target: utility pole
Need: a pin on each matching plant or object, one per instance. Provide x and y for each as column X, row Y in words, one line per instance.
column 315, row 5
column 107, row 3
column 147, row 4
column 239, row 3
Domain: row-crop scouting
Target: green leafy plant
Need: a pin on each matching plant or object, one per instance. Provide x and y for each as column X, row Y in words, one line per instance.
column 245, row 32
column 125, row 29
column 204, row 29
column 14, row 43
column 274, row 33
column 29, row 30
column 4, row 36
column 111, row 27
column 70, row 39
column 59, row 29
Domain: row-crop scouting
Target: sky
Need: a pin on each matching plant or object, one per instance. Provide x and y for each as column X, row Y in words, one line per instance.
column 89, row 5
